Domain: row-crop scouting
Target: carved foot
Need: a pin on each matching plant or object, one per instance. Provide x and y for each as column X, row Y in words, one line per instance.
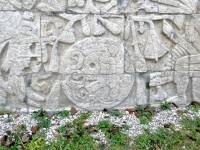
column 32, row 103
column 180, row 100
column 161, row 94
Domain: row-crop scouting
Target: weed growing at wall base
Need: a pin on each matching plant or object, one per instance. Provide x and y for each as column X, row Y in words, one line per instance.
column 165, row 106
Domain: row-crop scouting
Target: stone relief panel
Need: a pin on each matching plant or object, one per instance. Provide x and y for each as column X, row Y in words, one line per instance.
column 88, row 51
column 179, row 87
column 21, row 57
column 75, row 55
column 96, row 54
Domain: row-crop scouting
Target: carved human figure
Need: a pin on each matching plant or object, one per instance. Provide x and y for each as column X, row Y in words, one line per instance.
column 19, row 57
column 185, row 62
column 183, row 71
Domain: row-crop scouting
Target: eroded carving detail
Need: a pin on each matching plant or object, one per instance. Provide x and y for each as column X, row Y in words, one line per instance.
column 153, row 48
column 160, row 6
column 97, row 91
column 46, row 6
column 88, row 60
column 184, row 61
column 94, row 56
column 24, row 42
column 93, row 6
column 79, row 52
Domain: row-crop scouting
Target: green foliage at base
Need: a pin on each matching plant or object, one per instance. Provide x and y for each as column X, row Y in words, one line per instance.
column 76, row 136
column 165, row 106
column 173, row 138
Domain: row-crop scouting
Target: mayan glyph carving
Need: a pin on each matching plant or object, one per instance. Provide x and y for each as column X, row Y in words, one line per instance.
column 94, row 63
column 63, row 30
column 96, row 54
column 97, row 91
column 40, row 46
column 85, row 51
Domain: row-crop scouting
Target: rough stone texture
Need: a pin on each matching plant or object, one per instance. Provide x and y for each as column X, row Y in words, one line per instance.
column 96, row 54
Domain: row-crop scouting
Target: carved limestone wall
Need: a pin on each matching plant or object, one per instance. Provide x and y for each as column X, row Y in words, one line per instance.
column 96, row 54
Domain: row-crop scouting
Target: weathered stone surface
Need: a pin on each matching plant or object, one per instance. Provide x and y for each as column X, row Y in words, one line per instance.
column 78, row 44
column 160, row 6
column 178, row 87
column 32, row 91
column 97, row 91
column 20, row 42
column 46, row 6
column 96, row 54
column 93, row 6
column 148, row 49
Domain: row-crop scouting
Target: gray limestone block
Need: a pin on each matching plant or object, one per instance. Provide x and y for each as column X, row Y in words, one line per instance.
column 96, row 54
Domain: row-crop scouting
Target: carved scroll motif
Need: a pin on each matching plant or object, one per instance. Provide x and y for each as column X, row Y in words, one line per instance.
column 88, row 60
column 98, row 54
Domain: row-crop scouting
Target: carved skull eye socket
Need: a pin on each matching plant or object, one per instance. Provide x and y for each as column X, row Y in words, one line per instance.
column 92, row 65
column 83, row 92
column 114, row 93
